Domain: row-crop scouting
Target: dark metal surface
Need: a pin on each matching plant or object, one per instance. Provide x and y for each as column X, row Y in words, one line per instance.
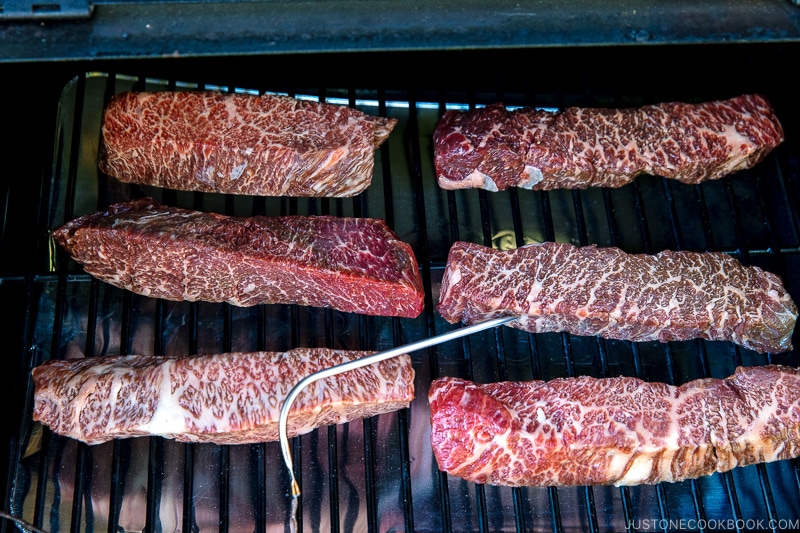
column 120, row 29
column 38, row 10
column 378, row 474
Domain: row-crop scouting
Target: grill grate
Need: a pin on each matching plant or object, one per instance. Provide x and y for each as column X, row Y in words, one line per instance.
column 379, row 474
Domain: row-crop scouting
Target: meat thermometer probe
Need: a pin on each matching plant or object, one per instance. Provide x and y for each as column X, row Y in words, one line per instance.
column 358, row 363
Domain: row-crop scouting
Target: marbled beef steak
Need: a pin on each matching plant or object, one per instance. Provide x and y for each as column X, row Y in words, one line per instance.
column 607, row 292
column 231, row 398
column 355, row 265
column 264, row 145
column 493, row 148
column 622, row 430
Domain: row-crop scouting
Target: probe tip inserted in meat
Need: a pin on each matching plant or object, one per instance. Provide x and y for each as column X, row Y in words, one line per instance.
column 358, row 363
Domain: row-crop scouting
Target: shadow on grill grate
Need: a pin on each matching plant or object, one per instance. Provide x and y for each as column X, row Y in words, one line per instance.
column 379, row 474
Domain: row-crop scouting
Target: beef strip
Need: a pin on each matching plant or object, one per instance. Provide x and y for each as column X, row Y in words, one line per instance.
column 354, row 265
column 493, row 148
column 232, row 398
column 240, row 144
column 621, row 431
column 606, row 292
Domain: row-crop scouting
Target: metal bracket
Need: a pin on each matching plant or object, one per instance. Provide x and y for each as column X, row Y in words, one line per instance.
column 45, row 9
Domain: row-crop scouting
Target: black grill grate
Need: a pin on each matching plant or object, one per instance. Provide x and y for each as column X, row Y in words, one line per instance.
column 379, row 474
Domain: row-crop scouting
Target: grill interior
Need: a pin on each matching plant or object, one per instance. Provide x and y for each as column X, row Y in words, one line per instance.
column 379, row 474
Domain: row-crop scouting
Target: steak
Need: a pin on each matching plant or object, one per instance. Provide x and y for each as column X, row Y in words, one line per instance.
column 621, row 431
column 354, row 265
column 231, row 398
column 240, row 144
column 607, row 292
column 493, row 148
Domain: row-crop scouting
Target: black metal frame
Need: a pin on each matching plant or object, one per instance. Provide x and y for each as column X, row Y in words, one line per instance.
column 753, row 216
column 71, row 29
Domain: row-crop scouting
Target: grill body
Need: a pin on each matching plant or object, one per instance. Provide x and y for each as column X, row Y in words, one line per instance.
column 379, row 474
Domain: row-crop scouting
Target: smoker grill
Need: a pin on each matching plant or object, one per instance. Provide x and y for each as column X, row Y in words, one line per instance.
column 379, row 474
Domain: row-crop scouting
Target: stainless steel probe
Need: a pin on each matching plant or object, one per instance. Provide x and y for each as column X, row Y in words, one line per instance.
column 358, row 363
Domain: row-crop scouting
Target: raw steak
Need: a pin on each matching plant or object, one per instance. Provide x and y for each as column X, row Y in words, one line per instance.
column 621, row 431
column 355, row 265
column 240, row 144
column 606, row 292
column 492, row 148
column 230, row 398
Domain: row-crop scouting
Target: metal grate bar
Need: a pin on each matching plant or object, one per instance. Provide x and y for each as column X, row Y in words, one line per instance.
column 516, row 218
column 425, row 267
column 224, row 451
column 583, row 239
column 741, row 248
column 83, row 471
column 672, row 213
column 297, row 453
column 122, row 448
column 791, row 199
column 26, row 363
column 736, row 511
column 480, row 490
column 402, row 415
column 796, row 472
column 258, row 451
column 155, row 462
column 48, row 212
column 294, row 321
column 766, row 491
column 486, row 224
column 359, row 201
column 761, row 470
column 697, row 498
column 774, row 246
column 466, row 349
column 705, row 218
column 644, row 228
column 613, row 235
column 555, row 510
column 580, row 219
column 117, row 477
column 154, row 483
column 611, row 220
column 224, row 488
column 369, row 434
column 552, row 492
column 627, row 508
column 102, row 179
column 333, row 449
column 188, row 512
column 405, row 459
column 74, row 149
column 518, row 494
column 637, row 361
column 566, row 347
column 547, row 216
column 60, row 306
column 79, row 488
column 386, row 167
